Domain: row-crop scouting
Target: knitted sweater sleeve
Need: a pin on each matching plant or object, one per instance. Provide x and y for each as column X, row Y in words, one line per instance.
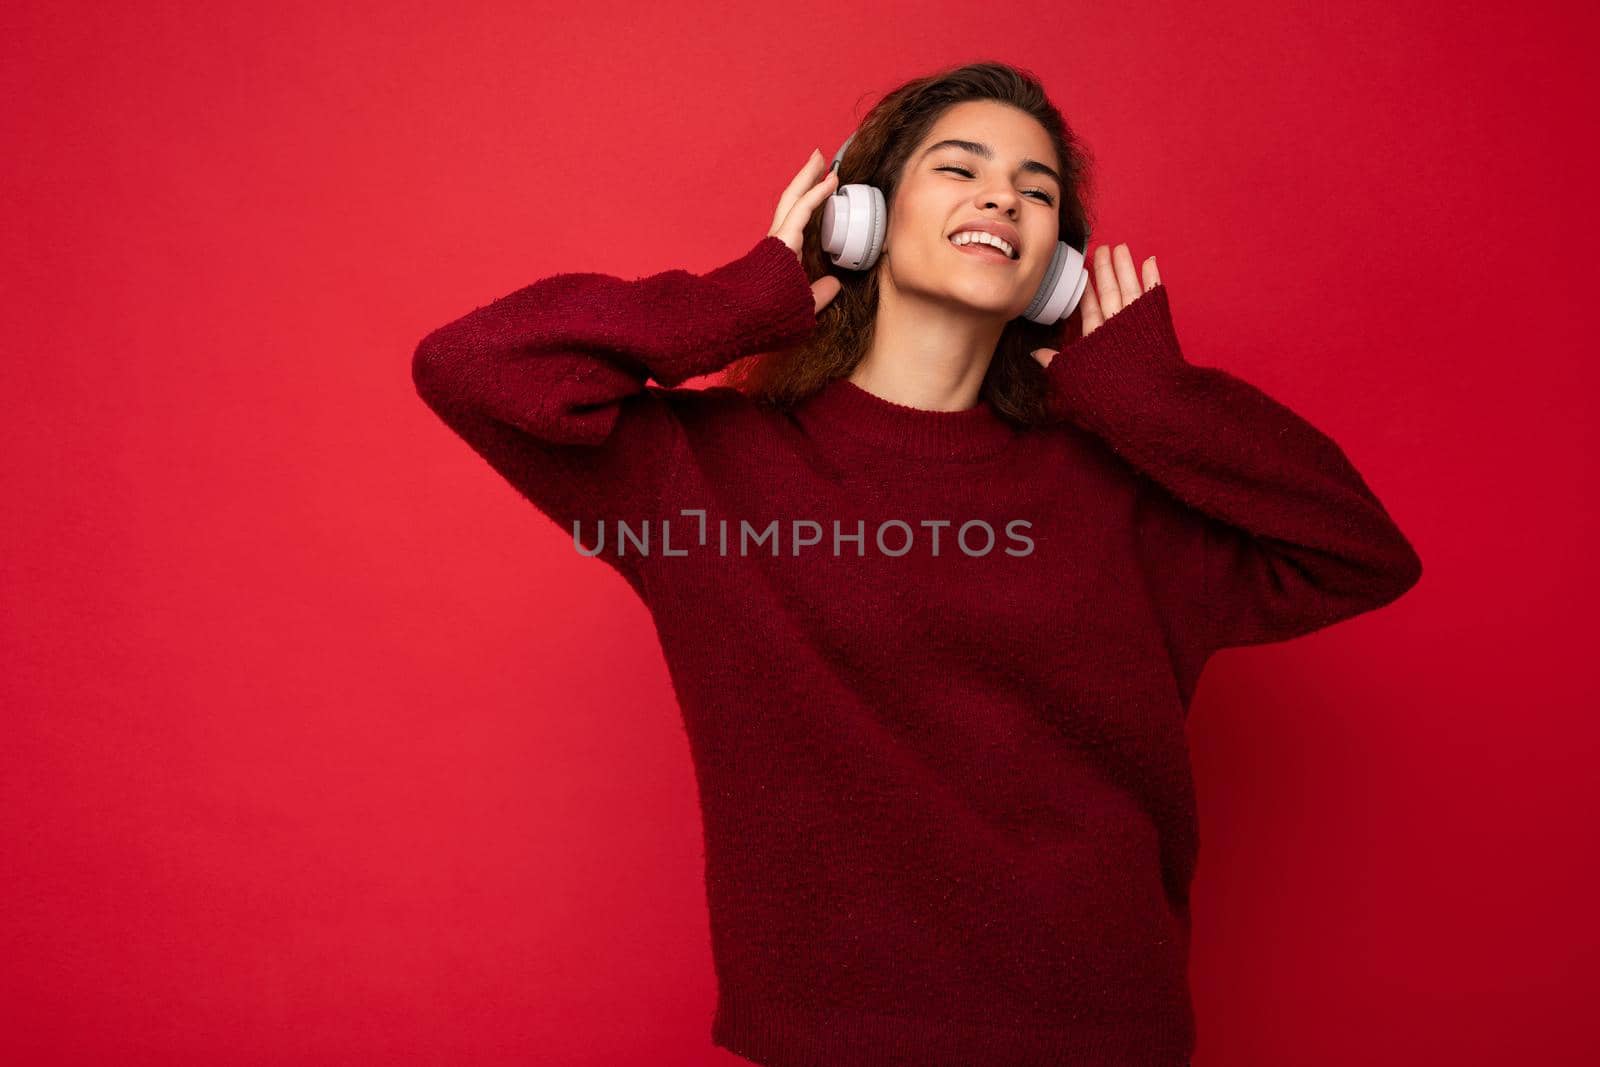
column 1259, row 527
column 548, row 383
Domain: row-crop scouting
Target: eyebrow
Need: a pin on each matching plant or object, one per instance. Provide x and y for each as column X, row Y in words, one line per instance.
column 977, row 148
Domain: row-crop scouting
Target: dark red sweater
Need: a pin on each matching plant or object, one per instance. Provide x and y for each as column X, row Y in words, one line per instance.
column 947, row 802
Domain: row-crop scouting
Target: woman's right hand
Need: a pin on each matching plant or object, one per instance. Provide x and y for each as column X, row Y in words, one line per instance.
column 799, row 202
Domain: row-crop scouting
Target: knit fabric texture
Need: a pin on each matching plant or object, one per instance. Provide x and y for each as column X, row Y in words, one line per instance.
column 934, row 668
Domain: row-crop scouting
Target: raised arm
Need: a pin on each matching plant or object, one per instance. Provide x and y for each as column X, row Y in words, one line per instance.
column 548, row 383
column 1267, row 530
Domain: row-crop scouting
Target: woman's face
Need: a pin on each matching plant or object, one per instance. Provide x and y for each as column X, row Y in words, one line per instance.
column 946, row 187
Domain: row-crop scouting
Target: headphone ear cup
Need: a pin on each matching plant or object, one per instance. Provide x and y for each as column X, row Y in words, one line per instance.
column 1061, row 288
column 854, row 222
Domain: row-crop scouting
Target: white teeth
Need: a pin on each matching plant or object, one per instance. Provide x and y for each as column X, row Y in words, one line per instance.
column 967, row 237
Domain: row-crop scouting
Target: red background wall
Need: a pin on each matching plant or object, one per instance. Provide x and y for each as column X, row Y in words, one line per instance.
column 322, row 746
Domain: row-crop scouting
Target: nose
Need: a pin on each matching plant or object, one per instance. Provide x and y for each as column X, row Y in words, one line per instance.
column 1005, row 200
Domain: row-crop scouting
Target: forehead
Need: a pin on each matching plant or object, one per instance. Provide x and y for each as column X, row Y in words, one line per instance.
column 1009, row 131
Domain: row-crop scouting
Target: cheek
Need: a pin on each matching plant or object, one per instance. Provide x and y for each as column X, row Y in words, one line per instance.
column 920, row 213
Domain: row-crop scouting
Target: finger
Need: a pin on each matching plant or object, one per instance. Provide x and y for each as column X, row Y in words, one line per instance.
column 1105, row 282
column 797, row 188
column 1089, row 307
column 823, row 290
column 1127, row 277
column 1152, row 277
column 794, row 226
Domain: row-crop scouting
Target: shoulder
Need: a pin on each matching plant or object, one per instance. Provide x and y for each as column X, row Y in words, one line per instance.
column 1064, row 445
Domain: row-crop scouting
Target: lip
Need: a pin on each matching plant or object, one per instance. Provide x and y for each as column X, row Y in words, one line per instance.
column 1002, row 230
column 971, row 251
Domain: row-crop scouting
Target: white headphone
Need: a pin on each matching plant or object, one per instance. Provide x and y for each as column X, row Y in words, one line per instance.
column 855, row 218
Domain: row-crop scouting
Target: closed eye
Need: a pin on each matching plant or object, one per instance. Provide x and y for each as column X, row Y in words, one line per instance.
column 964, row 172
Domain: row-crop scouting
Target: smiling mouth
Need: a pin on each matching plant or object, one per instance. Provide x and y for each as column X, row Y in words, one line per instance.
column 988, row 252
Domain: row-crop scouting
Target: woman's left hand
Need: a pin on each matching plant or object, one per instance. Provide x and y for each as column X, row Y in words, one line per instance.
column 1118, row 286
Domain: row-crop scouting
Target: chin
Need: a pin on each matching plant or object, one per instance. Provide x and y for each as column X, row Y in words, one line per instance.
column 998, row 304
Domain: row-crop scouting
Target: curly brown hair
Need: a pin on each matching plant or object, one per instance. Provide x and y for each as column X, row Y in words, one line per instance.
column 1015, row 383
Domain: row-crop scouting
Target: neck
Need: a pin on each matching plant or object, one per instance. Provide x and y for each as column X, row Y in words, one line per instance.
column 928, row 354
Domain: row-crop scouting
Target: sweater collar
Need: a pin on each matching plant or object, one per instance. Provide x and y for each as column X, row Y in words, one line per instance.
column 843, row 408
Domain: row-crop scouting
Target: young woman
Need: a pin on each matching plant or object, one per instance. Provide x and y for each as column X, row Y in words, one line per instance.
column 934, row 594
